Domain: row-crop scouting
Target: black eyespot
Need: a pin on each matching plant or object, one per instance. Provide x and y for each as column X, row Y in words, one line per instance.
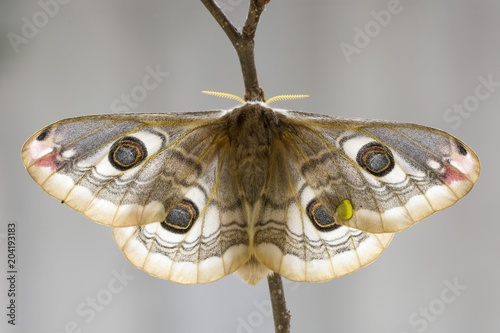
column 181, row 218
column 126, row 153
column 376, row 159
column 321, row 219
column 42, row 136
column 461, row 149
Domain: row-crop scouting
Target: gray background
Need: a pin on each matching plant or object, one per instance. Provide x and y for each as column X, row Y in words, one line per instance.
column 91, row 52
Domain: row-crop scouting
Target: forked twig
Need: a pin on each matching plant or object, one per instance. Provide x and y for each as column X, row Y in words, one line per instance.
column 243, row 42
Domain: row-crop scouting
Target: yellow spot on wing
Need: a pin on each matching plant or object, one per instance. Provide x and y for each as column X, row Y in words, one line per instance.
column 344, row 210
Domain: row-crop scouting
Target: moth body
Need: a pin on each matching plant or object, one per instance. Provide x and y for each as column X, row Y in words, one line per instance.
column 252, row 130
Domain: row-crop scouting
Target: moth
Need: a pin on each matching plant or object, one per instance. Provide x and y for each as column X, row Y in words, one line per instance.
column 192, row 197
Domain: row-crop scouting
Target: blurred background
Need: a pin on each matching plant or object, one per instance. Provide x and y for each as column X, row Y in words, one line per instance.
column 435, row 63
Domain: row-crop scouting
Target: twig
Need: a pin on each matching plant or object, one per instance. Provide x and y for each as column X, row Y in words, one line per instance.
column 222, row 19
column 280, row 313
column 244, row 44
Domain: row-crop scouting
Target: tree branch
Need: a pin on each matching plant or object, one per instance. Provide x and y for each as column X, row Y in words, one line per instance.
column 244, row 44
column 245, row 50
column 226, row 25
column 281, row 314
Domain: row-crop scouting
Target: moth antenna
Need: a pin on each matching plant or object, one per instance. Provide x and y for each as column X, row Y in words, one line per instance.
column 284, row 97
column 224, row 95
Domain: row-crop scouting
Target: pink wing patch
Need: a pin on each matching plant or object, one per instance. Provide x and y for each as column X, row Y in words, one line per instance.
column 44, row 153
column 451, row 174
column 459, row 166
